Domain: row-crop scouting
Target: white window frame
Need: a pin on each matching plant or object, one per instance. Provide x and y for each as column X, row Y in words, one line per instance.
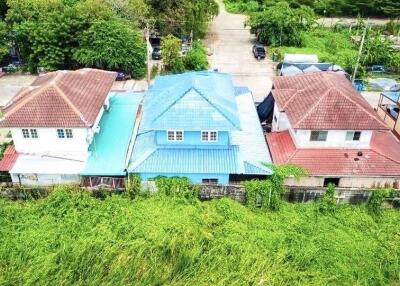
column 209, row 136
column 34, row 133
column 175, row 135
column 64, row 133
column 352, row 134
column 319, row 132
column 25, row 133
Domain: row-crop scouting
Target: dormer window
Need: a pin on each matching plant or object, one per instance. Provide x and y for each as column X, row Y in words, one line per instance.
column 174, row 135
column 353, row 135
column 209, row 136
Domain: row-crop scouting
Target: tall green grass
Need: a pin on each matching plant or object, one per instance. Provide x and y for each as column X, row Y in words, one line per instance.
column 71, row 238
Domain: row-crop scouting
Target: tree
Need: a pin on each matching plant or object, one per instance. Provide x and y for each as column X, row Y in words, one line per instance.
column 171, row 52
column 113, row 45
column 183, row 17
column 281, row 25
column 196, row 58
column 4, row 48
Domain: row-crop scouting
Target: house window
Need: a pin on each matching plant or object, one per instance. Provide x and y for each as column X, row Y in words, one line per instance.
column 68, row 132
column 25, row 133
column 211, row 136
column 64, row 133
column 34, row 133
column 174, row 135
column 334, row 181
column 210, row 181
column 60, row 133
column 318, row 135
column 353, row 136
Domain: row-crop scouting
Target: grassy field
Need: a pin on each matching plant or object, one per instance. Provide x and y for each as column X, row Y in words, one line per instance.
column 71, row 238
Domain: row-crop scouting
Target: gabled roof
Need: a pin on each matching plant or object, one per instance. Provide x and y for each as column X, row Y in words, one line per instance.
column 60, row 99
column 324, row 100
column 191, row 101
column 382, row 159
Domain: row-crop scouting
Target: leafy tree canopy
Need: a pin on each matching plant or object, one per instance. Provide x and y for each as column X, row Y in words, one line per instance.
column 281, row 25
column 112, row 44
column 171, row 51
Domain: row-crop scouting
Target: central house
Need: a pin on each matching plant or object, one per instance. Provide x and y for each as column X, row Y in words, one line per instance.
column 198, row 125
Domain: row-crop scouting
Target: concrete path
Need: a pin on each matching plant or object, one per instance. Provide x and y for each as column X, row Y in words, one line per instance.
column 231, row 46
column 10, row 85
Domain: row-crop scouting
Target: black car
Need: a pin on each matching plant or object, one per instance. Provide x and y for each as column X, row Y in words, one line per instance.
column 121, row 75
column 259, row 51
column 156, row 54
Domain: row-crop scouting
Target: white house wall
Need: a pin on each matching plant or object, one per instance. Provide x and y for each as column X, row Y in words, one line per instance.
column 280, row 120
column 48, row 142
column 335, row 139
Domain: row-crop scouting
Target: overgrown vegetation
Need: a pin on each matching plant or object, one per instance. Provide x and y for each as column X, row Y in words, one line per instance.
column 175, row 62
column 281, row 25
column 72, row 238
column 388, row 8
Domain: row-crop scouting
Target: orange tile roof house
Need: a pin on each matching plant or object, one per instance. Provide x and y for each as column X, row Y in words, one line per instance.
column 323, row 125
column 52, row 123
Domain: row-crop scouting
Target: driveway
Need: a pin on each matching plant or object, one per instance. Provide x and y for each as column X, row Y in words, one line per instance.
column 231, row 44
column 10, row 85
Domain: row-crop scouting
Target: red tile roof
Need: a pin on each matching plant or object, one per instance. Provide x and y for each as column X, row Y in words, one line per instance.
column 60, row 99
column 9, row 158
column 382, row 159
column 324, row 101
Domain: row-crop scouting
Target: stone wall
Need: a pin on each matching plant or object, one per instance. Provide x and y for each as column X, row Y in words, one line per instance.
column 236, row 192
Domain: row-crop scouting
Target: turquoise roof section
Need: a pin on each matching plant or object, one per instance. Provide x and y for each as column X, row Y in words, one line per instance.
column 109, row 147
column 191, row 101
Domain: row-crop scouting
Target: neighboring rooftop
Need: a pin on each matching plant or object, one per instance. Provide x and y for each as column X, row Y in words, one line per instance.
column 300, row 58
column 60, row 99
column 109, row 147
column 300, row 68
column 9, row 158
column 174, row 101
column 324, row 101
column 382, row 159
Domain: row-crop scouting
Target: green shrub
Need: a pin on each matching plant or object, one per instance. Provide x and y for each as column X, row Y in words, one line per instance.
column 177, row 187
column 376, row 200
column 328, row 203
column 133, row 186
column 196, row 58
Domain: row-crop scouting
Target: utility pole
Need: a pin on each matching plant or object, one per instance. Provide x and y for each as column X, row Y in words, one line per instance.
column 360, row 52
column 147, row 35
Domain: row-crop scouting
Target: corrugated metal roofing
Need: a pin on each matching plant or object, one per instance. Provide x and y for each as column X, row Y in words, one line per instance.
column 190, row 160
column 109, row 147
column 188, row 96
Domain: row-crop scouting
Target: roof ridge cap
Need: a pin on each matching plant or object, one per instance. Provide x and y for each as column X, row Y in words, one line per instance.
column 69, row 102
column 313, row 107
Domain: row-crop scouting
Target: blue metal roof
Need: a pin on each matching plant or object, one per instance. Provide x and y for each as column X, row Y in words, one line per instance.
column 174, row 101
column 190, row 160
column 109, row 147
column 239, row 90
column 256, row 169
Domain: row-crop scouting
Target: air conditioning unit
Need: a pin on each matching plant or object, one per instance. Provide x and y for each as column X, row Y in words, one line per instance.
column 106, row 106
column 97, row 130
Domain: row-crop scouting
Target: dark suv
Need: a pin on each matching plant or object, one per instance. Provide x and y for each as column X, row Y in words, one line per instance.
column 259, row 51
column 156, row 54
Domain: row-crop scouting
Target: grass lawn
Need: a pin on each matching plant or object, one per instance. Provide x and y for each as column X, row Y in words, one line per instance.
column 73, row 239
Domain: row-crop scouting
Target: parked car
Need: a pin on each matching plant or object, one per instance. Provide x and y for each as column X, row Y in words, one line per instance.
column 378, row 68
column 156, row 54
column 259, row 51
column 393, row 110
column 121, row 75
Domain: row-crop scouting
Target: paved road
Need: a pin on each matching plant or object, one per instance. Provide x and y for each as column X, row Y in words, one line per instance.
column 10, row 85
column 231, row 45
